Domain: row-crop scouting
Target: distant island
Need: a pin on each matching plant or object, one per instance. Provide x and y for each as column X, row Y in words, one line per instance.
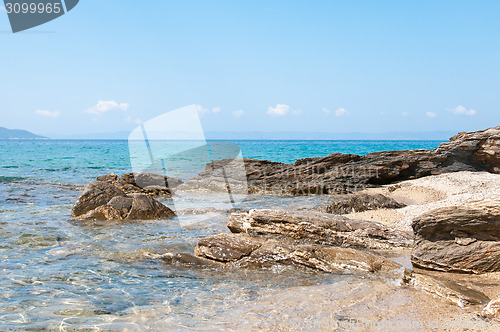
column 17, row 134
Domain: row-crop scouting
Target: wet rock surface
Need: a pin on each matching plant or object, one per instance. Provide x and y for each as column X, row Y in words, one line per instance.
column 449, row 290
column 243, row 251
column 459, row 239
column 318, row 228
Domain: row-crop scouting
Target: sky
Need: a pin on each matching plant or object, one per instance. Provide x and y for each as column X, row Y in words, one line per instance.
column 266, row 66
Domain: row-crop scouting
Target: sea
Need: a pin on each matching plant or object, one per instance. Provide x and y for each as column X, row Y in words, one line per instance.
column 62, row 274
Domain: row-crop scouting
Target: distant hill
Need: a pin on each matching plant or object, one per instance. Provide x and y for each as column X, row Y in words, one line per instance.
column 17, row 133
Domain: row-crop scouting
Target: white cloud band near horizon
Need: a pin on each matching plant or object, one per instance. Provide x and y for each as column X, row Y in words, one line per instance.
column 278, row 110
column 461, row 110
column 104, row 106
column 238, row 114
column 49, row 114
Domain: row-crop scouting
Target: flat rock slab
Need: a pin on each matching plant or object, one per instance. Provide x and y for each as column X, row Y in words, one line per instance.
column 242, row 251
column 317, row 228
column 459, row 239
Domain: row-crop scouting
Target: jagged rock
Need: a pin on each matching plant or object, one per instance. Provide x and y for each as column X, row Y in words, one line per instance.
column 143, row 180
column 243, row 251
column 142, row 183
column 103, row 201
column 361, row 202
column 492, row 310
column 319, row 228
column 96, row 194
column 459, row 239
column 446, row 289
column 146, row 208
column 346, row 173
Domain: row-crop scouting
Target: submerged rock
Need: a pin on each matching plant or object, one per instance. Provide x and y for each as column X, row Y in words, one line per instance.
column 361, row 202
column 318, row 228
column 103, row 201
column 459, row 239
column 446, row 289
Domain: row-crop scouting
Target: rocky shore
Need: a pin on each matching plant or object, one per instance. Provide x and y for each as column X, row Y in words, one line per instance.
column 441, row 207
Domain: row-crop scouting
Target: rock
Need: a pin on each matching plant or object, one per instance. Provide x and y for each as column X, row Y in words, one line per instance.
column 361, row 202
column 446, row 289
column 459, row 239
column 146, row 208
column 318, row 228
column 142, row 183
column 346, row 173
column 96, row 194
column 103, row 201
column 143, row 180
column 243, row 251
column 188, row 260
column 492, row 310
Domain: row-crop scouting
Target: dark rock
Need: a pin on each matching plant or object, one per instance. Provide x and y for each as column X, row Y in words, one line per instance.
column 143, row 180
column 96, row 194
column 146, row 208
column 361, row 202
column 346, row 173
column 103, row 201
column 459, row 239
column 319, row 228
column 242, row 251
column 448, row 290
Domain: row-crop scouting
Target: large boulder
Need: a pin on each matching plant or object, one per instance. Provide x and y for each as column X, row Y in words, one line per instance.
column 96, row 194
column 459, row 239
column 309, row 227
column 361, row 202
column 103, row 201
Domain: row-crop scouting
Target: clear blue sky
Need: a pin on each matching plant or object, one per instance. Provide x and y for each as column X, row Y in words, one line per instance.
column 325, row 66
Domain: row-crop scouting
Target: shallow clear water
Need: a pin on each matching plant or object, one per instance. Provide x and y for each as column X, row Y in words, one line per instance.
column 61, row 274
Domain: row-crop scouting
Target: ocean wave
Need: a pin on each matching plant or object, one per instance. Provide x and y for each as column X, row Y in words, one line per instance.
column 10, row 179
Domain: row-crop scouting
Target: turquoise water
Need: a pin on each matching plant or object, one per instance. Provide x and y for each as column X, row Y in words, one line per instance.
column 61, row 274
column 80, row 161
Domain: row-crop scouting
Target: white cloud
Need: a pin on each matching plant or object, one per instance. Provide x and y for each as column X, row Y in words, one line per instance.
column 383, row 113
column 238, row 114
column 341, row 112
column 430, row 114
column 104, row 106
column 297, row 112
column 326, row 110
column 279, row 110
column 203, row 110
column 48, row 114
column 405, row 113
column 460, row 110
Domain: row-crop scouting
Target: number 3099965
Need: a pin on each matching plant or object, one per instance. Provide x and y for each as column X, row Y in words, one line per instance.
column 32, row 8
